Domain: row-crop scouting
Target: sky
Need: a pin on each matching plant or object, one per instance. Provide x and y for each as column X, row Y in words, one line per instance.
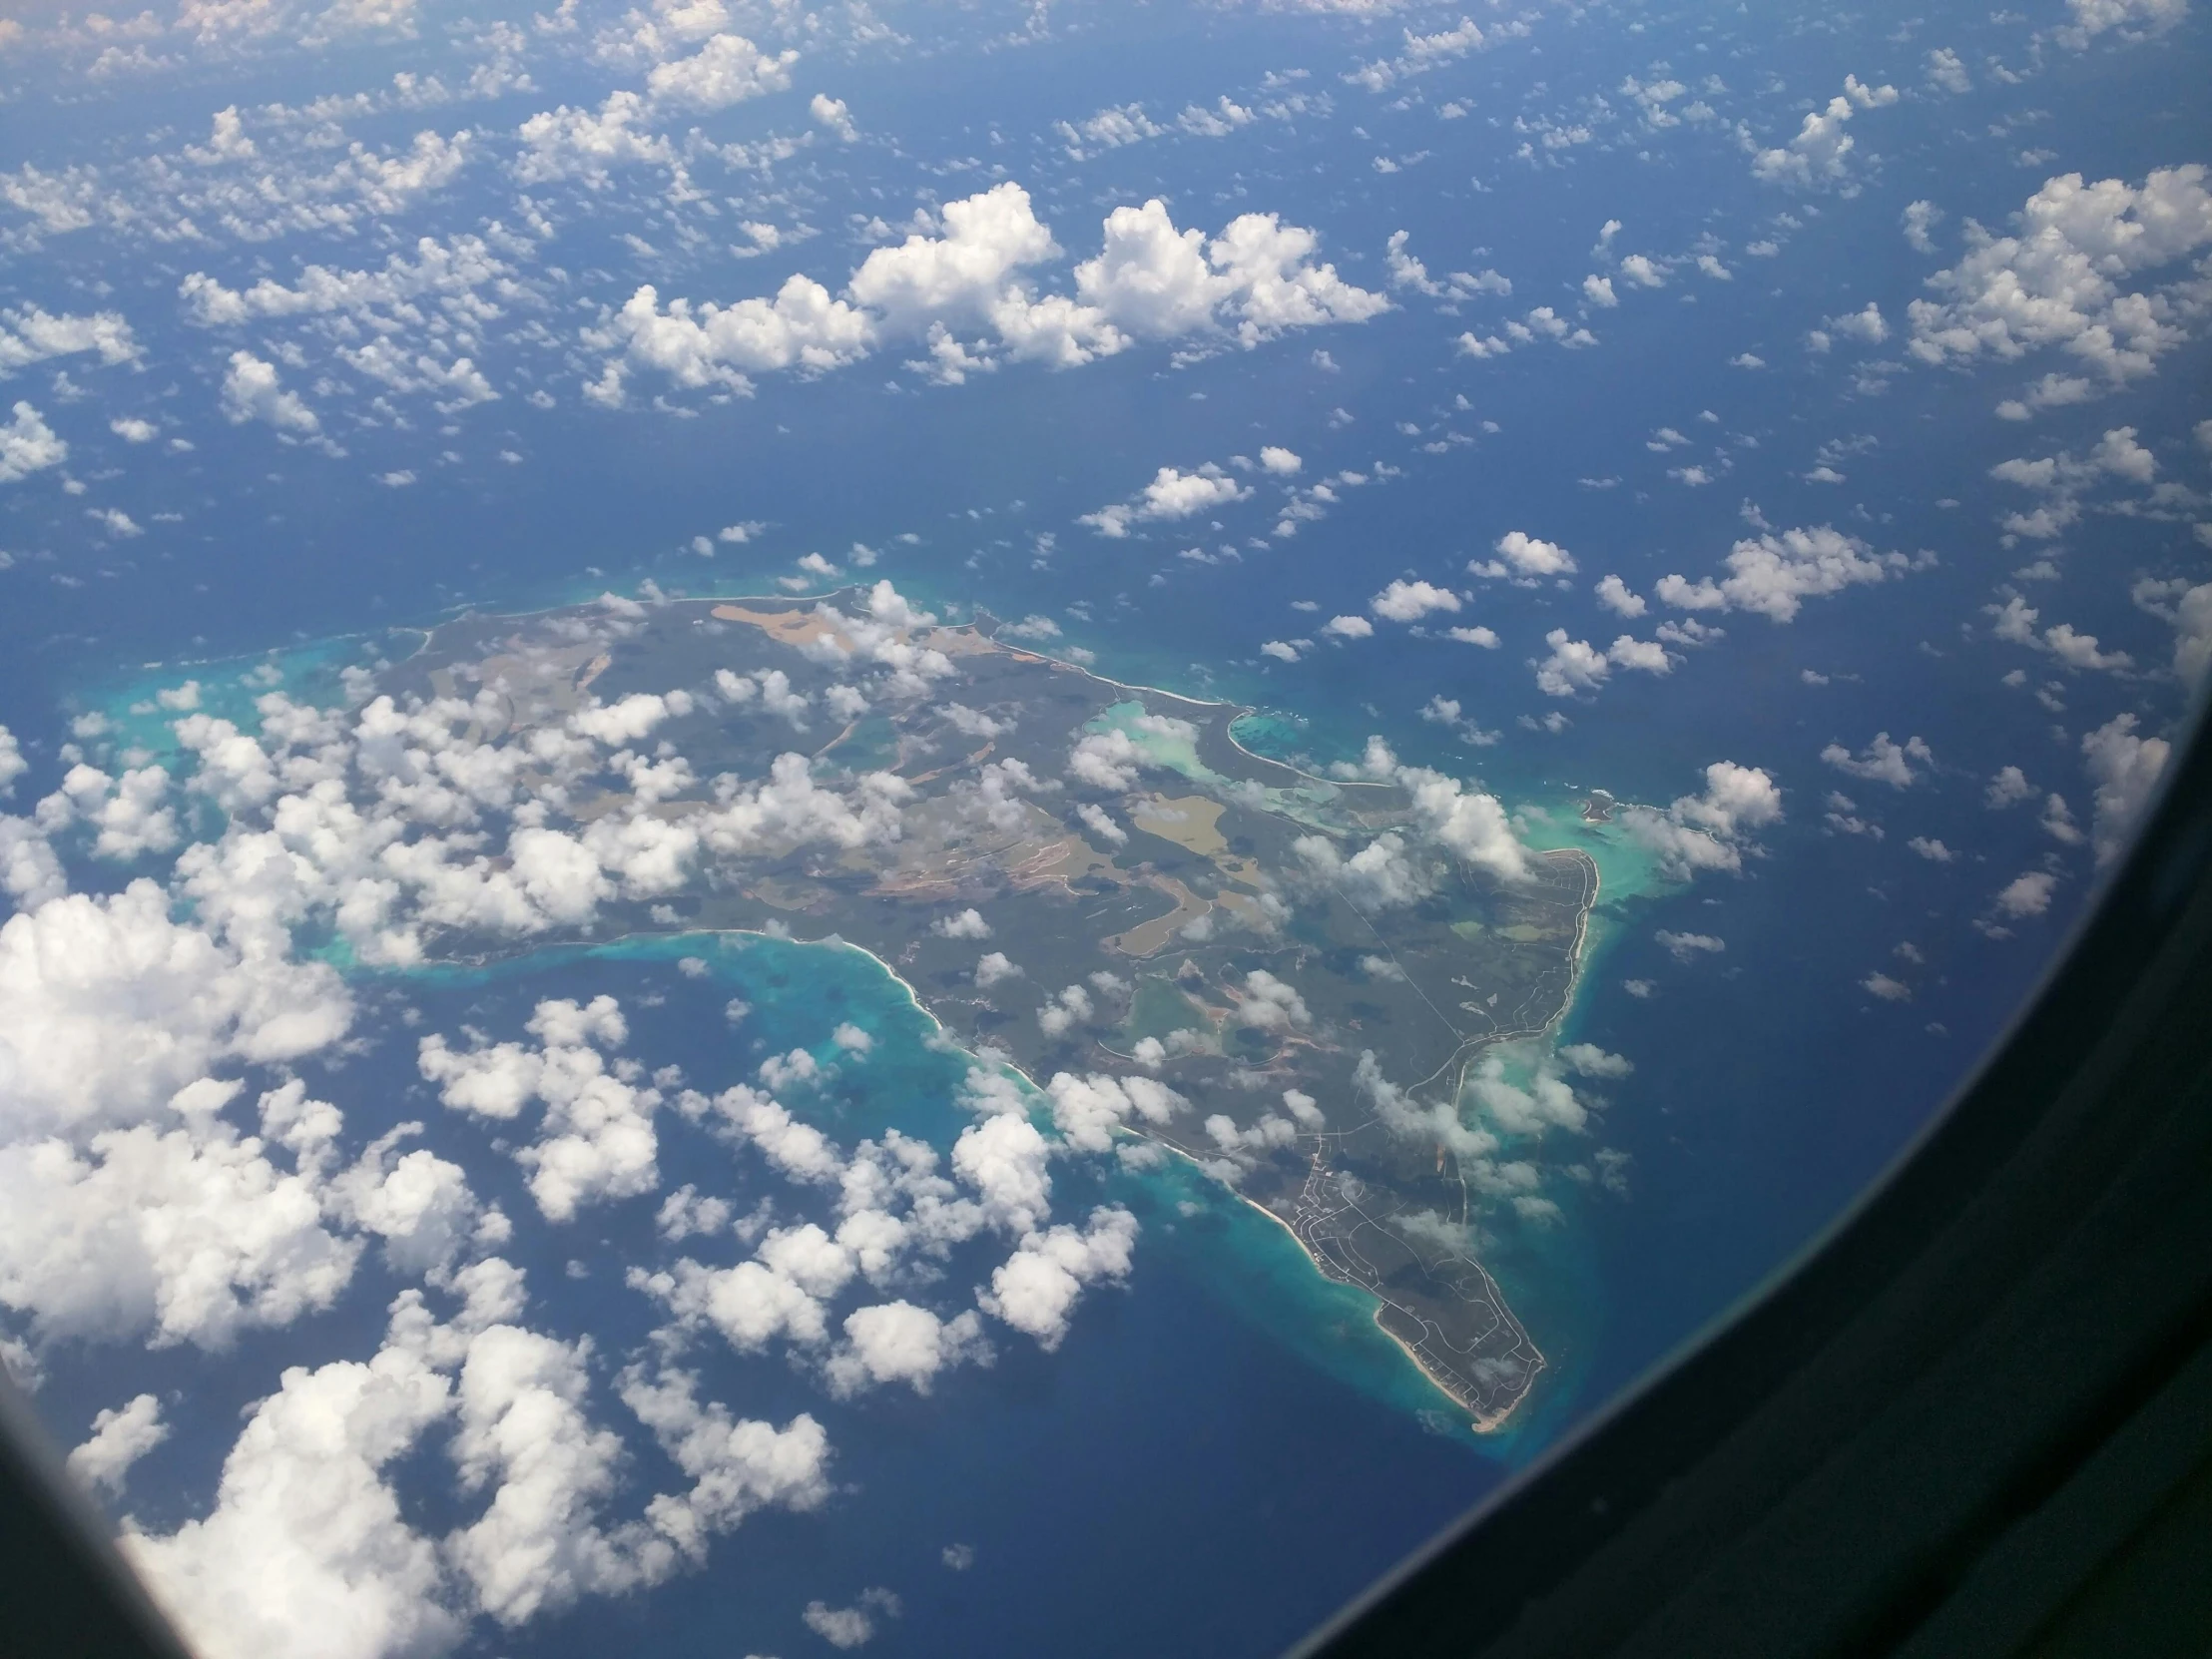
column 1790, row 421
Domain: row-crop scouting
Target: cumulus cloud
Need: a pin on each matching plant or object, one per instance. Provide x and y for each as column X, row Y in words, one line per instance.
column 2134, row 19
column 120, row 1437
column 1774, row 573
column 1172, row 494
column 28, row 445
column 833, row 113
column 2069, row 278
column 896, row 1341
column 115, row 1006
column 1088, row 1109
column 2027, row 895
column 1576, row 666
column 252, row 390
column 1819, row 154
column 1036, row 1289
column 1882, row 761
column 567, row 143
column 595, row 1141
column 1711, row 830
column 12, row 764
column 306, row 1545
column 2187, row 607
column 727, row 70
column 1405, row 601
column 2125, row 769
column 190, row 1234
column 458, row 274
column 29, row 336
column 1525, row 556
column 1688, row 947
column 1615, row 596
column 961, row 294
column 1380, row 875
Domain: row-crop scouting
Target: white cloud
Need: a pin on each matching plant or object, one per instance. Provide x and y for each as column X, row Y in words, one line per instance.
column 2135, row 19
column 962, row 296
column 1086, row 1110
column 306, row 1548
column 1003, row 1158
column 1578, row 666
column 1422, row 53
column 597, row 1140
column 567, row 143
column 459, row 275
column 1615, row 596
column 1775, row 573
column 833, row 113
column 189, row 1233
column 1919, row 219
column 252, row 390
column 1948, row 71
column 1710, row 831
column 802, row 328
column 28, row 445
column 2007, row 788
column 114, row 1007
column 1278, row 460
column 30, row 336
column 1865, row 325
column 736, row 1466
column 2187, row 607
column 851, row 1627
column 1688, row 947
column 896, row 1341
column 1882, row 761
column 1473, row 827
column 1380, row 875
column 1109, row 128
column 2026, row 896
column 1589, row 1060
column 1573, row 666
column 1526, row 555
column 120, row 1437
column 1405, row 601
column 2125, row 769
column 1036, row 1289
column 1819, row 154
column 728, row 69
column 2066, row 279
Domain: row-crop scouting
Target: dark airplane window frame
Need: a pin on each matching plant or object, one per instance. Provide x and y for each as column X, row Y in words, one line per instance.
column 1974, row 1417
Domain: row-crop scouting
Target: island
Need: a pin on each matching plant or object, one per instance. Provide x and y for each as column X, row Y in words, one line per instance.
column 1186, row 946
